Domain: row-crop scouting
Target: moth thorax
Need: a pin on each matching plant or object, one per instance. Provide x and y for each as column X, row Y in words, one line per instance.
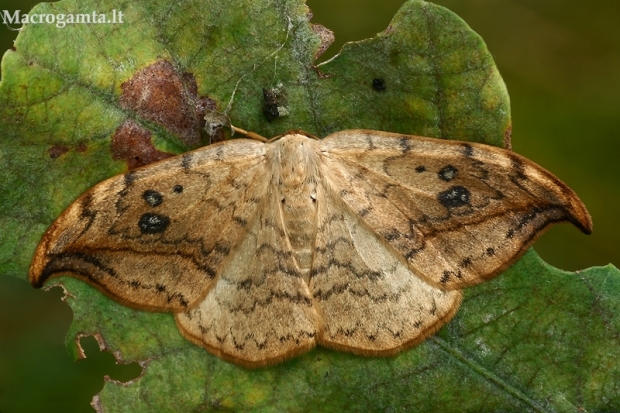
column 297, row 163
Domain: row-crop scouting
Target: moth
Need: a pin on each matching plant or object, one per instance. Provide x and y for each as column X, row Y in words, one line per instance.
column 359, row 242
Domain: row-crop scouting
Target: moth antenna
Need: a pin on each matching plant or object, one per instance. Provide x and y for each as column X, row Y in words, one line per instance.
column 250, row 135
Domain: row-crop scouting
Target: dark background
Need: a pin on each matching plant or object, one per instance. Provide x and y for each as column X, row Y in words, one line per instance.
column 561, row 62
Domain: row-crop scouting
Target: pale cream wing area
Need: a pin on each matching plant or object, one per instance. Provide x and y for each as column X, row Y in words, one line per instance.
column 156, row 237
column 459, row 213
column 260, row 310
column 371, row 303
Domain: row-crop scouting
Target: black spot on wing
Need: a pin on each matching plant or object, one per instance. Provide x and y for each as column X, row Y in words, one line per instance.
column 151, row 223
column 447, row 173
column 152, row 197
column 454, row 197
column 177, row 189
column 420, row 169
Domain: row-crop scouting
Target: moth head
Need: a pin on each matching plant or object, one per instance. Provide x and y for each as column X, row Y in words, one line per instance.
column 294, row 156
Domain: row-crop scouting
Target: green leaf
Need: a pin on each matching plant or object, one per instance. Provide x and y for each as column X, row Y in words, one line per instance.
column 534, row 339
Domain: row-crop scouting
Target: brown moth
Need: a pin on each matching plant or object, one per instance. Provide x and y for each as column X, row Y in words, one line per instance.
column 359, row 242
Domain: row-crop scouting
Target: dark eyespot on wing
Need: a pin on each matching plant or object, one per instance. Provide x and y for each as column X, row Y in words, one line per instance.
column 177, row 189
column 447, row 173
column 151, row 223
column 454, row 197
column 152, row 197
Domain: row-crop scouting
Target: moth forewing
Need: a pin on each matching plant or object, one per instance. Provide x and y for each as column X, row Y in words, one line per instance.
column 458, row 212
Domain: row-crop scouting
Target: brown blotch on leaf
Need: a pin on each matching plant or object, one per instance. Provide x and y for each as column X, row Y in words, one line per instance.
column 57, row 151
column 160, row 94
column 327, row 38
column 81, row 147
column 132, row 144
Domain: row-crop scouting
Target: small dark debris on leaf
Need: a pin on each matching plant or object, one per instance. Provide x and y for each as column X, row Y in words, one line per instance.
column 204, row 105
column 215, row 123
column 132, row 144
column 57, row 151
column 275, row 103
column 378, row 84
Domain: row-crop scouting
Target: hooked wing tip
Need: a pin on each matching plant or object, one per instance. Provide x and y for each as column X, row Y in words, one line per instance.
column 583, row 221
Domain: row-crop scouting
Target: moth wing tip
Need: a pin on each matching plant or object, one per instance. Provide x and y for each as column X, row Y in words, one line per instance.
column 583, row 222
column 579, row 216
